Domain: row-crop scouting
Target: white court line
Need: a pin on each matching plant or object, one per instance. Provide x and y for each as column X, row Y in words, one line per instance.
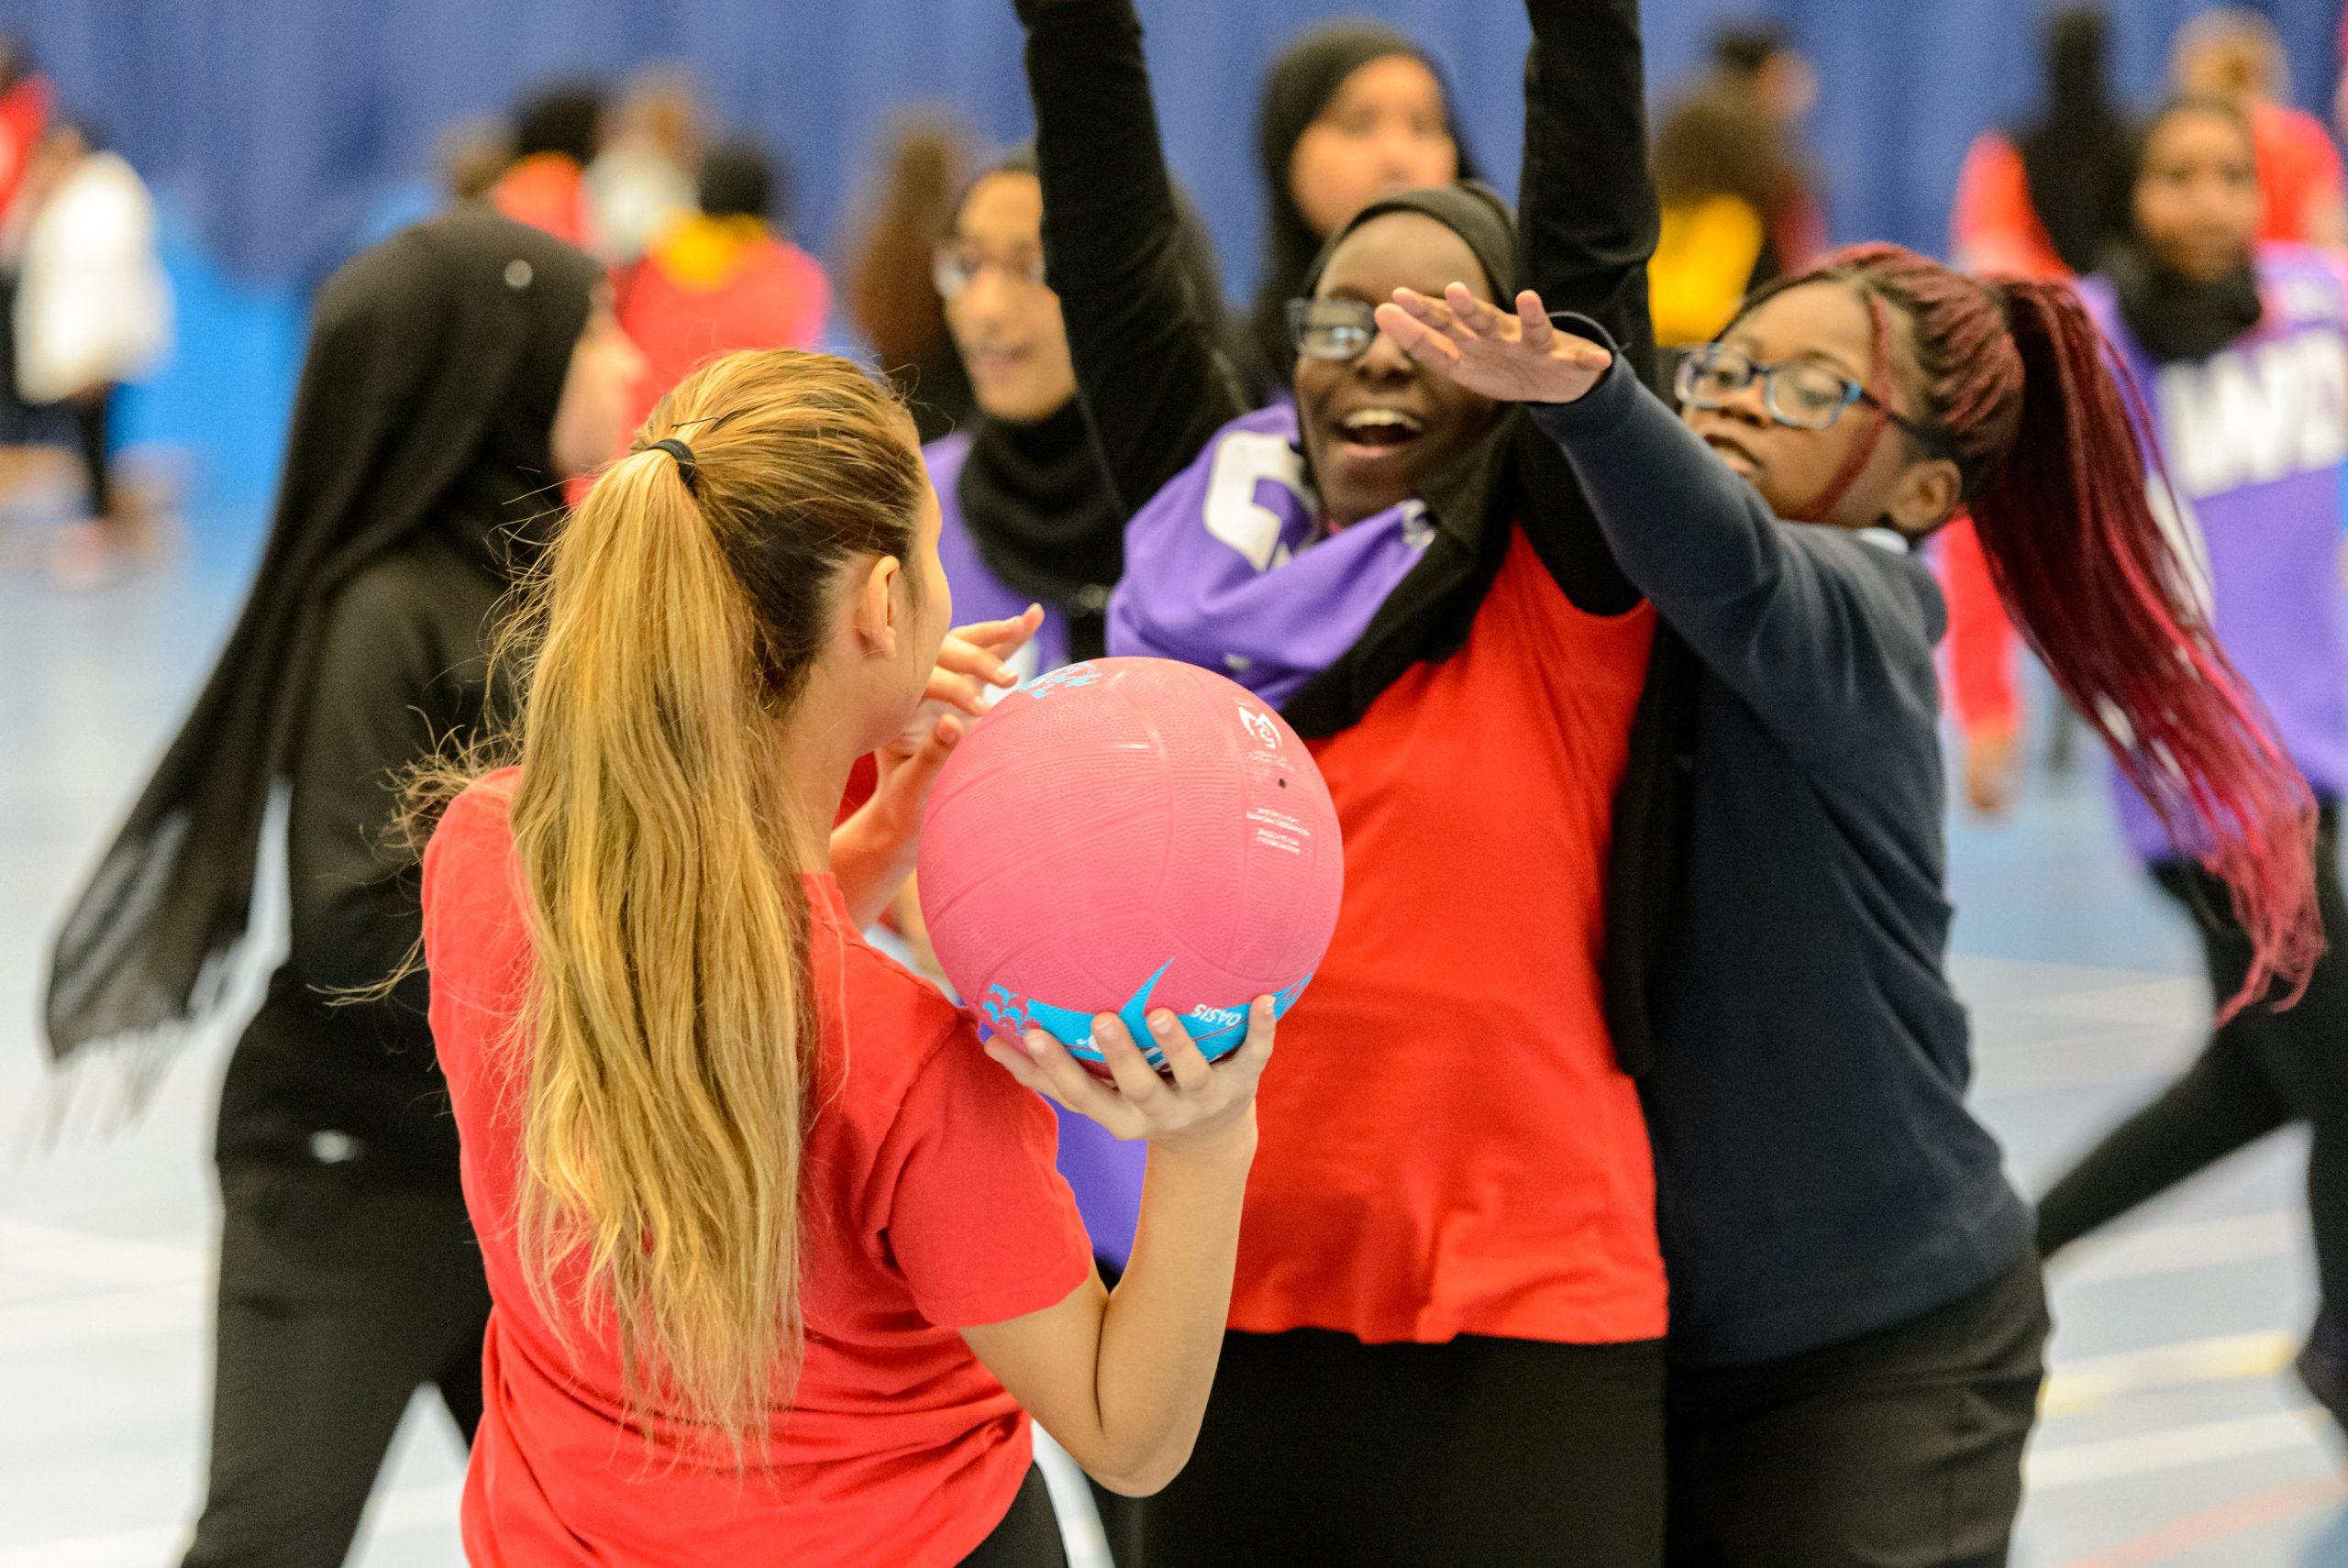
column 2092, row 1381
column 2175, row 1249
column 2173, row 1448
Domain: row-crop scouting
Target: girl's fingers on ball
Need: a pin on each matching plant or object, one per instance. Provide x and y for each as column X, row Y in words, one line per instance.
column 1077, row 1090
column 1136, row 1079
column 1184, row 1059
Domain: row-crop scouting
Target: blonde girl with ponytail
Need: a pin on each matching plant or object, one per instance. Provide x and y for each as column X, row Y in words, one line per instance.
column 780, row 1262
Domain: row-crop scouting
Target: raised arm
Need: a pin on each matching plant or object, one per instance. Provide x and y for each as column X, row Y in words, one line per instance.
column 1149, row 361
column 1801, row 621
column 1585, row 212
column 1796, row 619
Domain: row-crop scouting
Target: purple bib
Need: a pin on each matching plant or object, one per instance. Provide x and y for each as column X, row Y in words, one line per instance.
column 1229, row 568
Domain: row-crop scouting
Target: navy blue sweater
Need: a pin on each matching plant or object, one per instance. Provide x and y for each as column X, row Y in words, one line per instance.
column 1818, row 1174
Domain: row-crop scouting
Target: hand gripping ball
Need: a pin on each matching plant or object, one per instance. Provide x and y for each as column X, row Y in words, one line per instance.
column 1126, row 834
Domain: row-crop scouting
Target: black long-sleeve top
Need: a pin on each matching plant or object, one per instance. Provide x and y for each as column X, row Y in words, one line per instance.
column 403, row 669
column 1818, row 1175
column 1157, row 385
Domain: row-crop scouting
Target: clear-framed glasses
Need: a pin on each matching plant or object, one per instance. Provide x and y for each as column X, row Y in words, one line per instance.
column 1800, row 394
column 1331, row 329
column 956, row 267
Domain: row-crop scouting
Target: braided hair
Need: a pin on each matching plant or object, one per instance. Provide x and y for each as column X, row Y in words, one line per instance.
column 2015, row 381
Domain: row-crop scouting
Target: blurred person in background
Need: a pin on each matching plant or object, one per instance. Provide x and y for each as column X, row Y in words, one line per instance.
column 2241, row 349
column 1738, row 207
column 1350, row 112
column 1759, row 61
column 456, row 373
column 2047, row 199
column 2044, row 199
column 557, row 134
column 924, row 161
column 1719, row 171
column 722, row 277
column 1026, row 516
column 471, row 157
column 92, row 309
column 24, row 102
column 2236, row 55
column 643, row 183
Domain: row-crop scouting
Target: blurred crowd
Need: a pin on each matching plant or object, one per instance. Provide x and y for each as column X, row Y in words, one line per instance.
column 695, row 222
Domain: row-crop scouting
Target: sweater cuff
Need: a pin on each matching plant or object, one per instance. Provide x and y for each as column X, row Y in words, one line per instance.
column 1599, row 411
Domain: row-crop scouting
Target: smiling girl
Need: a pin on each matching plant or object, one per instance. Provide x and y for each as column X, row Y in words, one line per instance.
column 1449, row 1252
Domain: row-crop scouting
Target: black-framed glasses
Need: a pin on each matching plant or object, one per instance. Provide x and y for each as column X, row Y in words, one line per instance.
column 1802, row 395
column 954, row 267
column 1332, row 329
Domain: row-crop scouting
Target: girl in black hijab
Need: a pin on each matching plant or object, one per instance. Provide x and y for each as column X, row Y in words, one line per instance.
column 1351, row 111
column 456, row 374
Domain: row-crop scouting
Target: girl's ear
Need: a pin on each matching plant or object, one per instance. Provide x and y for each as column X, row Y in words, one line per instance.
column 1925, row 496
column 875, row 609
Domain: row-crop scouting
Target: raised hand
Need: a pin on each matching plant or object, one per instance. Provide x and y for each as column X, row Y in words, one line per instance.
column 872, row 852
column 1510, row 358
column 971, row 659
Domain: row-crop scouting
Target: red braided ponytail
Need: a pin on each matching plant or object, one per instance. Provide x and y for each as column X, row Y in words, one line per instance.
column 2016, row 378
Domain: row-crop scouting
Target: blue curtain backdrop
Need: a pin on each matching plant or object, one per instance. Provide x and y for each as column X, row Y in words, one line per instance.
column 280, row 126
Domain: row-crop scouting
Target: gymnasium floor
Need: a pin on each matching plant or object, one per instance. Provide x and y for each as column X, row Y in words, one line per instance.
column 2174, row 1434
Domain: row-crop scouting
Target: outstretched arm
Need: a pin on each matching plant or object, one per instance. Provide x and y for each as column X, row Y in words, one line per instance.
column 1149, row 361
column 1797, row 629
column 1586, row 214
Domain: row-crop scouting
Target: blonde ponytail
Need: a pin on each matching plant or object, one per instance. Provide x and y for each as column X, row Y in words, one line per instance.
column 670, row 1024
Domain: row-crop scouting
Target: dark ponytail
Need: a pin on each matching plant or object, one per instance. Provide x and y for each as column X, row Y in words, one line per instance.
column 2017, row 379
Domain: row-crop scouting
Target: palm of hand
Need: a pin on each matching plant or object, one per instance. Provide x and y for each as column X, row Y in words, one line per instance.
column 1519, row 358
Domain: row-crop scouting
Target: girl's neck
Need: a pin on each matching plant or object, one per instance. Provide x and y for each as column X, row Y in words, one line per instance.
column 811, row 759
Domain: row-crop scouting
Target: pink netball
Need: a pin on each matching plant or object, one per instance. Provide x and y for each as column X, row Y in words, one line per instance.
column 1126, row 834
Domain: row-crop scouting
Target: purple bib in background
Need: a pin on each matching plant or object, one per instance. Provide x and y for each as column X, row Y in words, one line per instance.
column 1104, row 1174
column 2255, row 442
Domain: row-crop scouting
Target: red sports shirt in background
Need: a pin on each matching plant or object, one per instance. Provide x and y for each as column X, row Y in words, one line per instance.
column 2298, row 170
column 931, row 1204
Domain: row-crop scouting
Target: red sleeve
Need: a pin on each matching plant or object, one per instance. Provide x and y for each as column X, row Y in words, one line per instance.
column 979, row 1222
column 1980, row 639
column 1993, row 227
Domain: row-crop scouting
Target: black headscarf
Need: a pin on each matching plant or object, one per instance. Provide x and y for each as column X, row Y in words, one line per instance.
column 1036, row 497
column 1307, row 74
column 1469, row 208
column 2076, row 156
column 2171, row 316
column 436, row 361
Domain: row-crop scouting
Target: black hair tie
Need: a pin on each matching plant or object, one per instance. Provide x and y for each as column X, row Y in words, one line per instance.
column 687, row 468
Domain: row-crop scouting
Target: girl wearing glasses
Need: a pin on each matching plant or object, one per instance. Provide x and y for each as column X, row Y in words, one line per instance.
column 1448, row 1254
column 1857, row 1318
column 1027, row 517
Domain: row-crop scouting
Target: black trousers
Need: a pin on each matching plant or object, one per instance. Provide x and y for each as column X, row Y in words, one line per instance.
column 339, row 1297
column 1318, row 1448
column 1029, row 1535
column 2261, row 1071
column 1902, row 1449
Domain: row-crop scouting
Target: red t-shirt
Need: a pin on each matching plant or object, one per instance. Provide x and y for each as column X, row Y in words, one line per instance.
column 931, row 1204
column 767, row 294
column 1995, row 226
column 2299, row 169
column 1448, row 1145
column 1981, row 640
